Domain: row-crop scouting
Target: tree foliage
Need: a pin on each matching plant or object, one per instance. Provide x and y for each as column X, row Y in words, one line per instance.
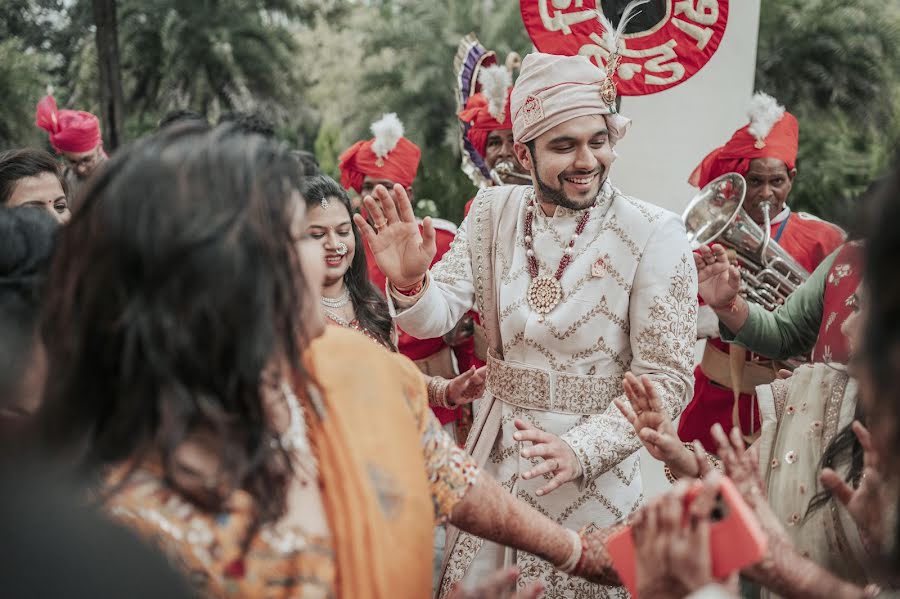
column 22, row 80
column 323, row 70
column 415, row 80
column 836, row 66
column 210, row 56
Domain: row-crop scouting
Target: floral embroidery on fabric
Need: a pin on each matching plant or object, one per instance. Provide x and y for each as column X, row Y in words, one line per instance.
column 537, row 389
column 453, row 265
column 464, row 551
column 669, row 338
column 451, row 471
column 533, row 110
column 207, row 547
column 574, row 360
column 833, row 410
column 838, row 272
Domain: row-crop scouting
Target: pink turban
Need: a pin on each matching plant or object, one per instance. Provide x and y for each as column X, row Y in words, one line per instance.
column 70, row 130
column 554, row 89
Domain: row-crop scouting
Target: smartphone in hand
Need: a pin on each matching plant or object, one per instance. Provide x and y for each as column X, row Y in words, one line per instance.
column 736, row 538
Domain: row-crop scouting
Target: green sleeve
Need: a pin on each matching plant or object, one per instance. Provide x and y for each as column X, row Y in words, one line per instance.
column 791, row 329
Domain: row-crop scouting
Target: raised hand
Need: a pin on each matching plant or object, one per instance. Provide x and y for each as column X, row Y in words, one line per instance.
column 402, row 252
column 654, row 428
column 867, row 503
column 559, row 459
column 500, row 585
column 718, row 280
column 672, row 551
column 742, row 467
column 467, row 387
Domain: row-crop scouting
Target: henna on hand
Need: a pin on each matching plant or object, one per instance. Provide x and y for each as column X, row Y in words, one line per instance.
column 596, row 564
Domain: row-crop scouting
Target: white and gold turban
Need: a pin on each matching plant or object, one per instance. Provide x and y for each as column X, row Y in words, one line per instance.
column 553, row 89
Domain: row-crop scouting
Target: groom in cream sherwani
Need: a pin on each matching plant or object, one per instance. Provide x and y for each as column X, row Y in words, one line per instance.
column 576, row 284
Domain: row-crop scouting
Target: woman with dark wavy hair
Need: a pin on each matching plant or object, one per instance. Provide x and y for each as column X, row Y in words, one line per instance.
column 30, row 177
column 350, row 300
column 190, row 373
column 27, row 236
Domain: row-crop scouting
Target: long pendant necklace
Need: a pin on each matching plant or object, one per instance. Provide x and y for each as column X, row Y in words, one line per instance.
column 545, row 292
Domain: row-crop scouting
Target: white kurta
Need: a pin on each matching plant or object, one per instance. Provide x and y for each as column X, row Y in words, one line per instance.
column 628, row 303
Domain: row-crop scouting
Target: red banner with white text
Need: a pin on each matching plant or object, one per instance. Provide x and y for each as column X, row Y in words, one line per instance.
column 666, row 43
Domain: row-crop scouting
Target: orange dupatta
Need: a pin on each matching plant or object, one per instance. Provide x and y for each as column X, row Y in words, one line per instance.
column 372, row 469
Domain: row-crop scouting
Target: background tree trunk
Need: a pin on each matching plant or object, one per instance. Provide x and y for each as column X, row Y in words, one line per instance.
column 111, row 96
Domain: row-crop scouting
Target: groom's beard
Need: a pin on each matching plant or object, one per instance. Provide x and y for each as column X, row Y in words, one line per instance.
column 557, row 196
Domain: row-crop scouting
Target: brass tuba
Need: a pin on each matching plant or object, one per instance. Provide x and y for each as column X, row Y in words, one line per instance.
column 506, row 169
column 768, row 273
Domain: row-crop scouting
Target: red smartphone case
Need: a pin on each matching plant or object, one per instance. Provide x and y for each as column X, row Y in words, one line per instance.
column 736, row 541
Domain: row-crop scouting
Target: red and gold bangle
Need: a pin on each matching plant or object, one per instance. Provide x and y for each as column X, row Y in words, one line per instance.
column 409, row 293
column 412, row 290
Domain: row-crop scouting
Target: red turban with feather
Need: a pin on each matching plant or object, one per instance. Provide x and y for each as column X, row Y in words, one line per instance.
column 388, row 155
column 771, row 133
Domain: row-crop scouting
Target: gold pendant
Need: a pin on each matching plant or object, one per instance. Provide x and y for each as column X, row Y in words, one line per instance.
column 544, row 294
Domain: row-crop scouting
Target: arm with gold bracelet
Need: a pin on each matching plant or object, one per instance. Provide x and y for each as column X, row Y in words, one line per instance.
column 654, row 428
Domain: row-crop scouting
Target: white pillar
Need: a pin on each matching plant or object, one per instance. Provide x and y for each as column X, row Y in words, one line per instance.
column 673, row 130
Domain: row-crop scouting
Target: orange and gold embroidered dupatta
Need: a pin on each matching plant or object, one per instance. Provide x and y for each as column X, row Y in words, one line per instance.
column 372, row 470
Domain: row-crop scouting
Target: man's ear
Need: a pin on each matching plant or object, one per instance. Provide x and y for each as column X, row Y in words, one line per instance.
column 412, row 197
column 792, row 173
column 523, row 154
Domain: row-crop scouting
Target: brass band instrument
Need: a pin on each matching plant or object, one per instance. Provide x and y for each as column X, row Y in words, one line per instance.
column 768, row 274
column 507, row 169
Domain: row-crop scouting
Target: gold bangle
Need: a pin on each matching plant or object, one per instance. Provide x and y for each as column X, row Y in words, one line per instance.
column 445, row 388
column 437, row 392
column 432, row 396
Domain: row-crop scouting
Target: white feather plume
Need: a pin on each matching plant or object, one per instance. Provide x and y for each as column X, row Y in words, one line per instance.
column 387, row 131
column 764, row 111
column 495, row 80
column 612, row 35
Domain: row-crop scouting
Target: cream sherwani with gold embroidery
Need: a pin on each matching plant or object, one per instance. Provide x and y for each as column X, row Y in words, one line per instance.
column 628, row 303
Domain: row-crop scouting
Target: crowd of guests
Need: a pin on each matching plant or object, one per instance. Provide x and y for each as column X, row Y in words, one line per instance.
column 168, row 368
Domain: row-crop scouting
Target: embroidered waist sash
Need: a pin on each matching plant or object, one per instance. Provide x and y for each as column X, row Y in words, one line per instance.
column 549, row 390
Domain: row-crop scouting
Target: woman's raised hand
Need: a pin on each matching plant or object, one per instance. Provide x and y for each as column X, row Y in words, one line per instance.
column 401, row 250
column 654, row 428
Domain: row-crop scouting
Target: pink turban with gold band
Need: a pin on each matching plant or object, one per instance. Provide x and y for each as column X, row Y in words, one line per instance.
column 554, row 89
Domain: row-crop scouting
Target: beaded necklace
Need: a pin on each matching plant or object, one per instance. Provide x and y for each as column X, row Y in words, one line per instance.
column 545, row 292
